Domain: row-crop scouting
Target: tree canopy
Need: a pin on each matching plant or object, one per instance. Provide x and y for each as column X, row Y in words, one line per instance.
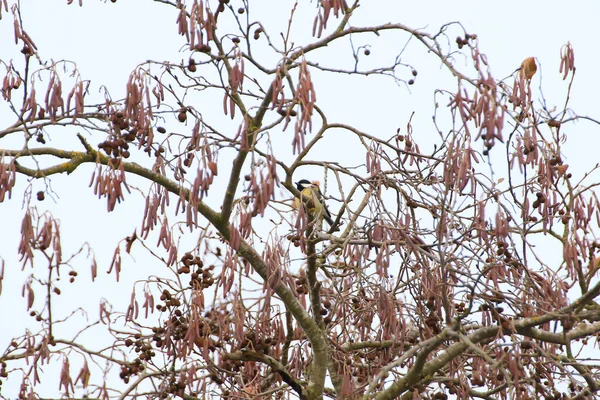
column 463, row 257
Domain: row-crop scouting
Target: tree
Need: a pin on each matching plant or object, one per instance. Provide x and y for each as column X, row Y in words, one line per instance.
column 460, row 264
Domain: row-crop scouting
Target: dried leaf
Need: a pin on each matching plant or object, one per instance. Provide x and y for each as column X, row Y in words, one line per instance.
column 213, row 167
column 562, row 169
column 528, row 68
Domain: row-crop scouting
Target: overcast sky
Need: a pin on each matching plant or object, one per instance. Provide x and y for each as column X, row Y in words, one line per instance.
column 108, row 40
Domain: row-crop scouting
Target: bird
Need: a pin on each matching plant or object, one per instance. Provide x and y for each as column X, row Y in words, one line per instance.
column 313, row 200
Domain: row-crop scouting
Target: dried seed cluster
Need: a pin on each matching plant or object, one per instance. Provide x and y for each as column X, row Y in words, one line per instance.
column 117, row 145
column 301, row 285
column 295, row 239
column 465, row 42
column 202, row 278
column 136, row 366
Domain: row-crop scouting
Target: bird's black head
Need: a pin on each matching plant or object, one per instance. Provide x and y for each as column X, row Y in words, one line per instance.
column 303, row 184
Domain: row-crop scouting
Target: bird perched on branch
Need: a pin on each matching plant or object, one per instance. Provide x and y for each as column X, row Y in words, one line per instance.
column 313, row 200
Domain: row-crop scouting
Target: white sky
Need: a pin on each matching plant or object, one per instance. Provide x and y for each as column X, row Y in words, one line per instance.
column 108, row 40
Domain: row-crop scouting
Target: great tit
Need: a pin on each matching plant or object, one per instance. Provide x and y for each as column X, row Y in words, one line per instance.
column 313, row 200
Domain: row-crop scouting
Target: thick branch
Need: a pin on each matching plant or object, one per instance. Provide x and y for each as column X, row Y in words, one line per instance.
column 523, row 327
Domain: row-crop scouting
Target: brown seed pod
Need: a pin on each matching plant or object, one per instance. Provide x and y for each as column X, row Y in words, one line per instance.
column 182, row 117
column 183, row 270
column 204, row 48
column 554, row 123
column 460, row 42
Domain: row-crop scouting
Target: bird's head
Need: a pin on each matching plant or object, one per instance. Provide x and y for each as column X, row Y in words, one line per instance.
column 303, row 184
